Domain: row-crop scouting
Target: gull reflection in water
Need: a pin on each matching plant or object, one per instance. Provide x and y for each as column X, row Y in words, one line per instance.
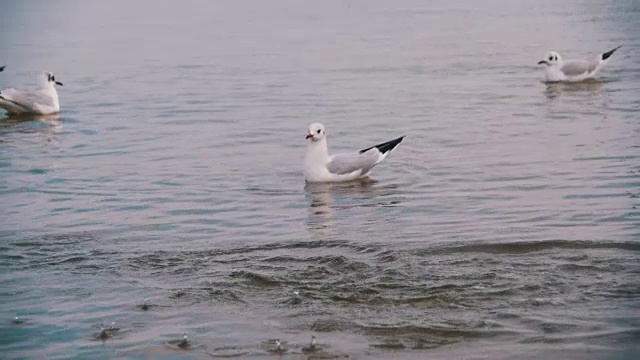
column 589, row 87
column 327, row 200
column 43, row 125
column 53, row 120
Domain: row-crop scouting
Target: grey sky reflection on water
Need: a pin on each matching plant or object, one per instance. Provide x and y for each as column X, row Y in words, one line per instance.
column 332, row 202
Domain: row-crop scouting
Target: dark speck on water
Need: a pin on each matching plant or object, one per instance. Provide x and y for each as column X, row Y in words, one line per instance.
column 504, row 226
column 184, row 343
column 107, row 332
column 145, row 306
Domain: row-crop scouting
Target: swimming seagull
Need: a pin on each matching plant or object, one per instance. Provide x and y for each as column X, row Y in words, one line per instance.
column 319, row 166
column 312, row 345
column 43, row 101
column 107, row 333
column 573, row 70
column 184, row 343
column 279, row 346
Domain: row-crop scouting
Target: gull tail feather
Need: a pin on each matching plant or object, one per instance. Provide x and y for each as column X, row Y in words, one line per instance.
column 608, row 54
column 385, row 147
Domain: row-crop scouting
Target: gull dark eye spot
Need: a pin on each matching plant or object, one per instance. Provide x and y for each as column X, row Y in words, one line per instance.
column 319, row 131
column 550, row 58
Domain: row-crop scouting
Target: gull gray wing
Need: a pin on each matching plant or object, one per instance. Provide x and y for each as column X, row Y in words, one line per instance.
column 341, row 164
column 26, row 99
column 364, row 160
column 579, row 67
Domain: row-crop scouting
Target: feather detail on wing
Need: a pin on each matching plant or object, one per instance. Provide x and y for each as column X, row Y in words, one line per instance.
column 341, row 164
column 26, row 99
column 364, row 160
column 579, row 67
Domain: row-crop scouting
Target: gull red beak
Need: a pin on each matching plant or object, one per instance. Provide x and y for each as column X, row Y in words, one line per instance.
column 309, row 136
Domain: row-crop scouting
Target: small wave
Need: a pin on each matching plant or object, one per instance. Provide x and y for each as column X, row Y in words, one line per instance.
column 532, row 246
column 257, row 279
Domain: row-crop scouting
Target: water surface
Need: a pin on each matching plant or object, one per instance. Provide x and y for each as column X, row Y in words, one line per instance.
column 506, row 224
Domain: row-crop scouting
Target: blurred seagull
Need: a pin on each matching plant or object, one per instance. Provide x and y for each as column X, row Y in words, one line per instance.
column 43, row 101
column 184, row 343
column 573, row 70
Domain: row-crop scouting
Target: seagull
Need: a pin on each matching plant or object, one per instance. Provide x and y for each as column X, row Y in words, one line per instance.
column 184, row 343
column 319, row 166
column 43, row 101
column 107, row 333
column 312, row 345
column 573, row 70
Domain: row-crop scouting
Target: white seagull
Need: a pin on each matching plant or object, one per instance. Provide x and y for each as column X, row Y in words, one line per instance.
column 43, row 101
column 573, row 70
column 319, row 166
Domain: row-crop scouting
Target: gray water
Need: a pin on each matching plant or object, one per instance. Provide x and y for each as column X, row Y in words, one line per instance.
column 505, row 225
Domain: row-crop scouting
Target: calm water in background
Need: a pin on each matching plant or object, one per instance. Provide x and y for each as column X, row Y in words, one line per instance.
column 506, row 225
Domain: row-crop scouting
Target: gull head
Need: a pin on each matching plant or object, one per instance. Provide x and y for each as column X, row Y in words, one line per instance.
column 316, row 132
column 552, row 58
column 52, row 79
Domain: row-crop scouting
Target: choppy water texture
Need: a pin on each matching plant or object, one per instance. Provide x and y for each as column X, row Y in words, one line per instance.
column 506, row 225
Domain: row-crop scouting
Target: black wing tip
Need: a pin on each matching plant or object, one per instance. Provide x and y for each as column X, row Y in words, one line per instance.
column 2, row 68
column 608, row 54
column 387, row 146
